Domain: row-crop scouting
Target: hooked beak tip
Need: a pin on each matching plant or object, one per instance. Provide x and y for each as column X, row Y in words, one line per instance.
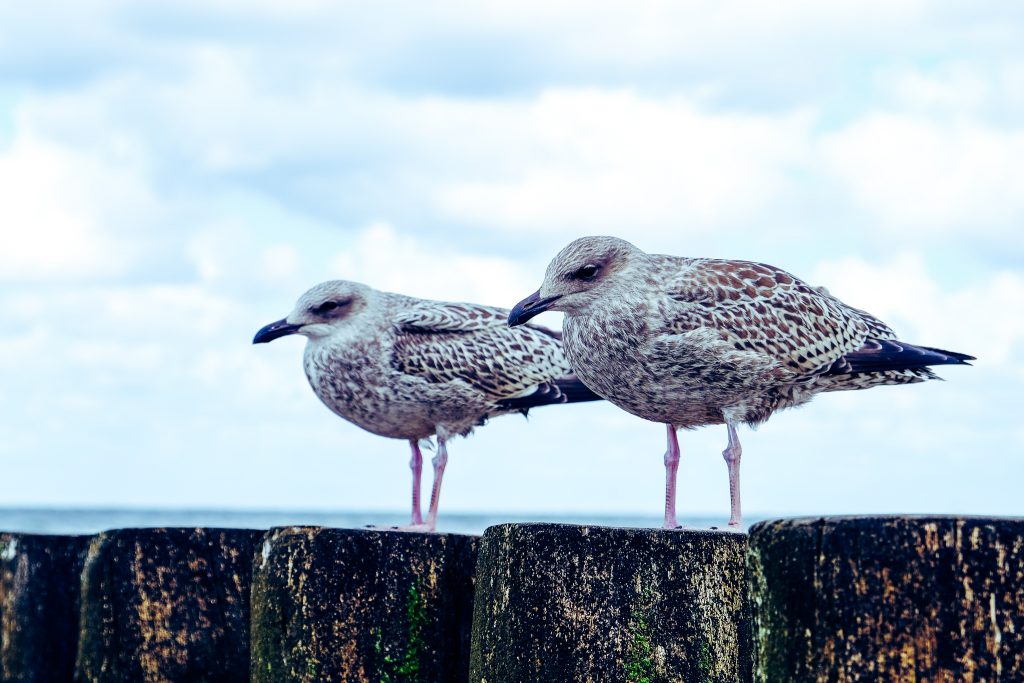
column 529, row 307
column 275, row 330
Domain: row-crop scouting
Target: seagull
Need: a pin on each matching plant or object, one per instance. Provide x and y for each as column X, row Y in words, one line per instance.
column 689, row 342
column 408, row 368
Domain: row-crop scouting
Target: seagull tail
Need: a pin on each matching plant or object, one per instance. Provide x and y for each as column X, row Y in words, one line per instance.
column 880, row 355
column 563, row 390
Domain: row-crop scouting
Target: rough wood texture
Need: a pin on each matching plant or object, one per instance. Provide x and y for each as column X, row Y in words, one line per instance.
column 39, row 579
column 889, row 599
column 570, row 603
column 167, row 606
column 362, row 605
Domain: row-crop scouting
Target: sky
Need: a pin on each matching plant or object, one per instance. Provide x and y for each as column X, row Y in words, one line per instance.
column 173, row 177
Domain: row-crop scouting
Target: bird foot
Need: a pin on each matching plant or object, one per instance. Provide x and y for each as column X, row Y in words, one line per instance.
column 414, row 528
column 682, row 527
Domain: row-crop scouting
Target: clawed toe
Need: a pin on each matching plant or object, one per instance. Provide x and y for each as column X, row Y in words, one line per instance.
column 415, row 528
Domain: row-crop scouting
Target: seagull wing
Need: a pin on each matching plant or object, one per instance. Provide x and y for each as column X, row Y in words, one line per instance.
column 759, row 308
column 517, row 367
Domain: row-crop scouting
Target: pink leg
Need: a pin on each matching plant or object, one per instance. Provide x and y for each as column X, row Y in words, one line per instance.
column 439, row 461
column 732, row 455
column 671, row 468
column 416, row 465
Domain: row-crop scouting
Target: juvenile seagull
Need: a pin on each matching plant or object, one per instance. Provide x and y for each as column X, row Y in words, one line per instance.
column 690, row 342
column 410, row 368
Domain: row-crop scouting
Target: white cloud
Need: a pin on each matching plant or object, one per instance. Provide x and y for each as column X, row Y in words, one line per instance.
column 71, row 318
column 953, row 88
column 923, row 176
column 576, row 152
column 388, row 260
column 53, row 201
column 618, row 161
column 984, row 318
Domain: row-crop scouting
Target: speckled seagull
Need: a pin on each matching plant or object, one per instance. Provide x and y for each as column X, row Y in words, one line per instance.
column 410, row 368
column 690, row 342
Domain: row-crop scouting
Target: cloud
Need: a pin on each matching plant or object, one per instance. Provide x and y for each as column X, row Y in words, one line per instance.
column 489, row 48
column 614, row 160
column 983, row 318
column 671, row 166
column 921, row 176
column 70, row 326
column 323, row 118
column 951, row 88
column 53, row 201
column 387, row 260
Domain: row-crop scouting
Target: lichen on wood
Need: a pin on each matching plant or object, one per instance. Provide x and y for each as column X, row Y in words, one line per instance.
column 166, row 605
column 888, row 599
column 39, row 580
column 362, row 605
column 570, row 603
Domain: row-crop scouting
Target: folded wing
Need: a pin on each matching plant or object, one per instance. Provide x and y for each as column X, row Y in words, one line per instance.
column 760, row 308
column 518, row 368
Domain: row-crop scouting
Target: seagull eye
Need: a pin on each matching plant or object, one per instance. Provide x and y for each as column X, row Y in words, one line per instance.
column 334, row 308
column 325, row 307
column 586, row 272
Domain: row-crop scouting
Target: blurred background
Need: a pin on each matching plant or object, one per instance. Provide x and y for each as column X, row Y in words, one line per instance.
column 173, row 177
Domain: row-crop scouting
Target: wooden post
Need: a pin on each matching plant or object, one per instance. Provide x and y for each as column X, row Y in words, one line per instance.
column 39, row 578
column 889, row 599
column 361, row 605
column 570, row 603
column 166, row 605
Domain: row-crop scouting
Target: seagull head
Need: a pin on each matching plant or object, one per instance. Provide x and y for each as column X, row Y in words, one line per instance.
column 577, row 277
column 323, row 310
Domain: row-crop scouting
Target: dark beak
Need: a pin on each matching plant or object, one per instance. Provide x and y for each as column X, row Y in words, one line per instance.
column 278, row 328
column 529, row 307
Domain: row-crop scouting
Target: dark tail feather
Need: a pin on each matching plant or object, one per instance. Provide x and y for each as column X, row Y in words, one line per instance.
column 879, row 355
column 575, row 391
column 565, row 390
column 955, row 357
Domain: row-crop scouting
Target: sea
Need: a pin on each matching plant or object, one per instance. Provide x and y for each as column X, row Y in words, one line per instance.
column 93, row 520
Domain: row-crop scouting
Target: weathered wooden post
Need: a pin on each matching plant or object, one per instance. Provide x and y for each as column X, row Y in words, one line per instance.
column 888, row 599
column 166, row 605
column 361, row 605
column 39, row 579
column 570, row 603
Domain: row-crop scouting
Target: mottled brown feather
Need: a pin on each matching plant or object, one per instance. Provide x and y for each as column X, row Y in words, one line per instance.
column 407, row 368
column 445, row 342
column 689, row 341
column 767, row 310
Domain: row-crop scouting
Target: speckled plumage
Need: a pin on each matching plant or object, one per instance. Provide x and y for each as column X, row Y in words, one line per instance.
column 721, row 336
column 410, row 368
column 695, row 341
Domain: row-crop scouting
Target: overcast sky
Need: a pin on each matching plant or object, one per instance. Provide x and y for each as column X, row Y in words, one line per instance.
column 172, row 178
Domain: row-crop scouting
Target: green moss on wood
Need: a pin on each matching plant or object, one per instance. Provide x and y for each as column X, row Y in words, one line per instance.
column 567, row 603
column 346, row 604
column 640, row 661
column 407, row 668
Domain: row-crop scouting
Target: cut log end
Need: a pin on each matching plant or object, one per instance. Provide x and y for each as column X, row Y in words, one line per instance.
column 888, row 598
column 167, row 605
column 357, row 605
column 561, row 602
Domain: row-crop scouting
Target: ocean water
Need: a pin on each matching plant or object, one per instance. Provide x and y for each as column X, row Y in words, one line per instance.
column 92, row 520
